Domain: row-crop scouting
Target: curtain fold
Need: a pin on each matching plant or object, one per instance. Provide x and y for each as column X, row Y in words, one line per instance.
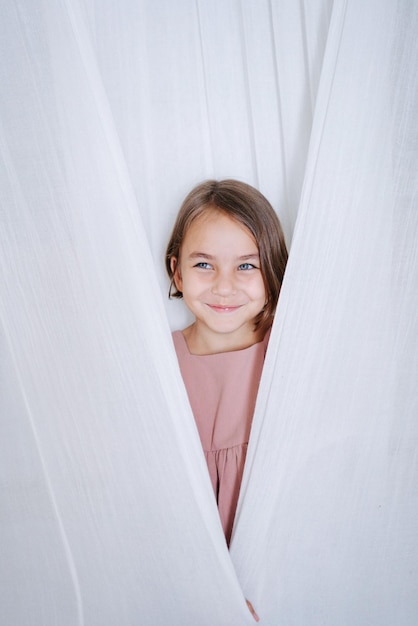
column 109, row 114
column 335, row 496
column 112, row 507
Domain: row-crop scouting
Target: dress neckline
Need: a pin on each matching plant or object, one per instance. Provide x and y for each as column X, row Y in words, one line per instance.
column 264, row 342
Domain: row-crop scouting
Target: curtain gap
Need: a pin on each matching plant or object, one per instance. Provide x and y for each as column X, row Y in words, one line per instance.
column 251, row 127
column 211, row 154
column 279, row 104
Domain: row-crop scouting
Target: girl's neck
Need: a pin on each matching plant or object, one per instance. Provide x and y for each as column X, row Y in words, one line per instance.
column 202, row 343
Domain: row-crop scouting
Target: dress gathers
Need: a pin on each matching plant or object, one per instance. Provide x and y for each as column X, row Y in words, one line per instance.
column 222, row 390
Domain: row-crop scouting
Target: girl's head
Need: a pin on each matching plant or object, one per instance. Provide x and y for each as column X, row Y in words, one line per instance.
column 249, row 208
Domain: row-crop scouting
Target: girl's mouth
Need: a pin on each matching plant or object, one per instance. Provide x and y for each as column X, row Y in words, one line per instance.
column 219, row 308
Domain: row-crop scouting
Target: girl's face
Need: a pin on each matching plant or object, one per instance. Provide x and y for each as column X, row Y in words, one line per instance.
column 219, row 275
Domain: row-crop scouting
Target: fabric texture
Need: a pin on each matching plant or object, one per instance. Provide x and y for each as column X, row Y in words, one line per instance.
column 110, row 112
column 222, row 390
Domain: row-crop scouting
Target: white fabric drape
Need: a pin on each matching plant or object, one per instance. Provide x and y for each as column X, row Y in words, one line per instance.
column 109, row 113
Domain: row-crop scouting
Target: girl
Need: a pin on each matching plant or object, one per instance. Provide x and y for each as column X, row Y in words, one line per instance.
column 226, row 258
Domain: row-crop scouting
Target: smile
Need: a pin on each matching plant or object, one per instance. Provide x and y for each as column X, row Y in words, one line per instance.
column 218, row 308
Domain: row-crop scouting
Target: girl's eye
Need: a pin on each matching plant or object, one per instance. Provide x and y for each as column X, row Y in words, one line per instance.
column 246, row 266
column 203, row 265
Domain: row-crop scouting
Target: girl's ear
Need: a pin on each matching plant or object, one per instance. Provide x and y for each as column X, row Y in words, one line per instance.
column 176, row 273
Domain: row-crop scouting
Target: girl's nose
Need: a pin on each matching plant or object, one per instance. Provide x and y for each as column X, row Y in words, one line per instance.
column 223, row 285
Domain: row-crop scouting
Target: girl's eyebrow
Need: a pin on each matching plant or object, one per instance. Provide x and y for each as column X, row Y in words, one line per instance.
column 200, row 255
column 245, row 257
column 203, row 255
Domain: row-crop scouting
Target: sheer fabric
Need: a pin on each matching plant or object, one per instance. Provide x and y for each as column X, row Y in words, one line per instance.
column 110, row 112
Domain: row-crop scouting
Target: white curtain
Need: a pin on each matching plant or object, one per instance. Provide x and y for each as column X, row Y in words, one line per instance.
column 109, row 113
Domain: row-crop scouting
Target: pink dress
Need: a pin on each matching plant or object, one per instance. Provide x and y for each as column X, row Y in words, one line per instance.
column 222, row 390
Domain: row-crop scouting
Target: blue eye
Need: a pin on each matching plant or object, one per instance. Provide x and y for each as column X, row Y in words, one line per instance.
column 246, row 266
column 203, row 265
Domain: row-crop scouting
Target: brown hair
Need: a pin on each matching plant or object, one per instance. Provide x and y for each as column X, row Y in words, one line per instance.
column 246, row 205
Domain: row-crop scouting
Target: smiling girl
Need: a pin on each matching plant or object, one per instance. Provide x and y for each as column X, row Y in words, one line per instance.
column 226, row 258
